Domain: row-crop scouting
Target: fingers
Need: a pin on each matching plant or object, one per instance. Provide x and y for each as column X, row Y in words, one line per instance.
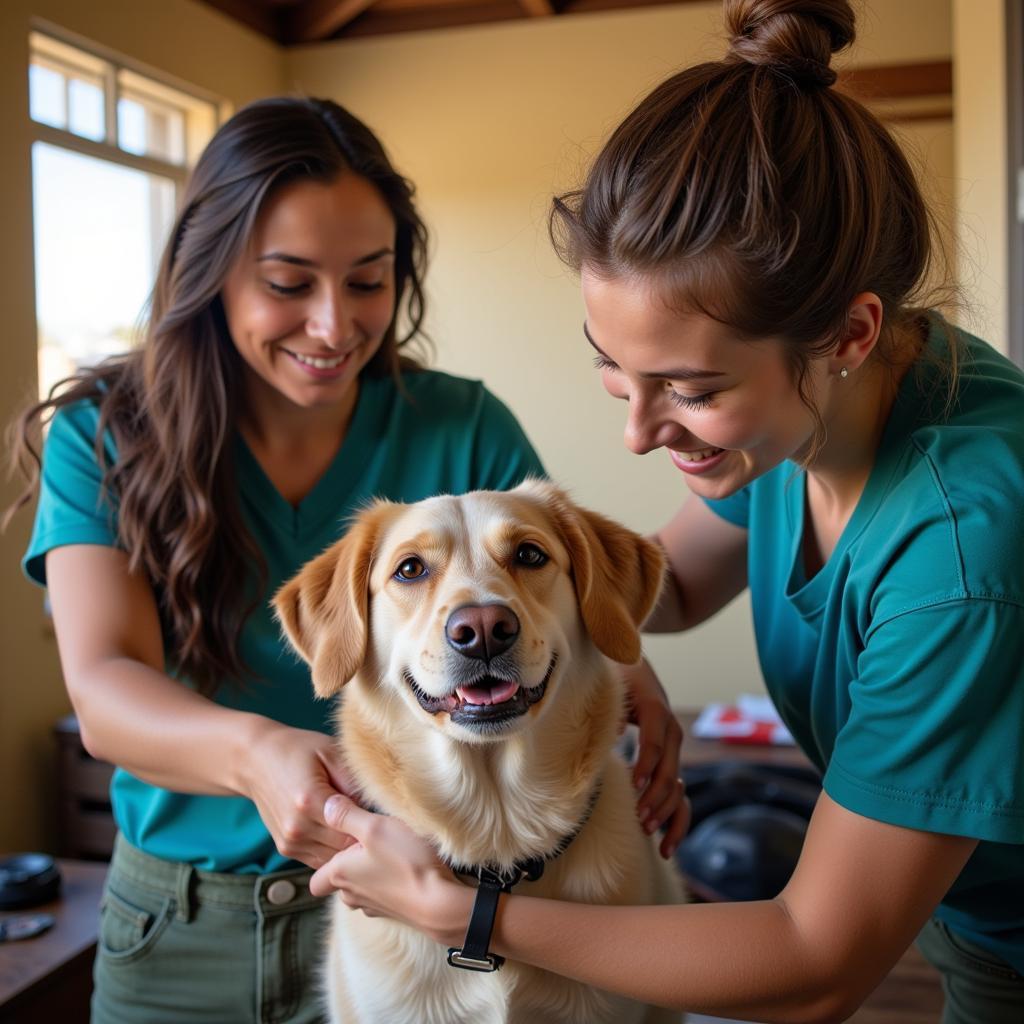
column 657, row 760
column 677, row 826
column 343, row 814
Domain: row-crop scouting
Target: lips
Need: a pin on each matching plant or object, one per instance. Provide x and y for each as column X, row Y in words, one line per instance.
column 699, row 460
column 487, row 701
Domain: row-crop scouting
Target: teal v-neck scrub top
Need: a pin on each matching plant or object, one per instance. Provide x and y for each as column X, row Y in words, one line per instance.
column 445, row 435
column 899, row 666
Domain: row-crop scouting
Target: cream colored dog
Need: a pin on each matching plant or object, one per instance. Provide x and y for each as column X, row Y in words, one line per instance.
column 471, row 636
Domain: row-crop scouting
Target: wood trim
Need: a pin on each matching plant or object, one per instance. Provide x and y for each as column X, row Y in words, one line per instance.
column 939, row 113
column 318, row 20
column 898, row 81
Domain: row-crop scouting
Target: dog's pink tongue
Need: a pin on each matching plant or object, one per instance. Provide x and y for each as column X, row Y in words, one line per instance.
column 487, row 694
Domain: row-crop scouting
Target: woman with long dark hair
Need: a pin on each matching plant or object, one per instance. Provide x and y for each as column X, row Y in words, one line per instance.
column 273, row 394
column 754, row 254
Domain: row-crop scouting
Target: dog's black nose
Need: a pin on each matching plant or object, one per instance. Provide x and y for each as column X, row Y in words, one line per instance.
column 482, row 631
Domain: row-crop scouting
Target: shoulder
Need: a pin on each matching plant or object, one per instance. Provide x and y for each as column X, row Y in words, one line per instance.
column 73, row 431
column 952, row 509
column 445, row 399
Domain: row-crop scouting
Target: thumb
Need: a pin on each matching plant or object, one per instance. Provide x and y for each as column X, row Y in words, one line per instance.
column 345, row 815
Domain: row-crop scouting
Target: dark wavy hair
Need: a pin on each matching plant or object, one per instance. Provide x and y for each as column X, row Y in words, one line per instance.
column 172, row 404
column 755, row 193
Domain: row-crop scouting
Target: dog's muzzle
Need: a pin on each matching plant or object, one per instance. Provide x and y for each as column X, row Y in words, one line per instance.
column 487, row 702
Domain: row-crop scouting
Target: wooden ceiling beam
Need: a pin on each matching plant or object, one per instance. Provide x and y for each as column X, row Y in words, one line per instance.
column 317, row 20
column 256, row 15
column 538, row 8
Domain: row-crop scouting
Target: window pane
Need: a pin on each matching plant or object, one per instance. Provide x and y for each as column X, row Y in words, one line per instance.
column 47, row 96
column 99, row 229
column 131, row 127
column 151, row 128
column 86, row 102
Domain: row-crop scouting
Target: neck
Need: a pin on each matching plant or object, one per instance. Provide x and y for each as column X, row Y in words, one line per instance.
column 855, row 420
column 272, row 423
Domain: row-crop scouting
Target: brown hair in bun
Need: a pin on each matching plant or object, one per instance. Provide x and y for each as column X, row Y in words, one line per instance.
column 745, row 190
column 796, row 37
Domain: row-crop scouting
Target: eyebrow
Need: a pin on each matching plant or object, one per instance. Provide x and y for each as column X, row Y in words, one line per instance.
column 300, row 261
column 679, row 373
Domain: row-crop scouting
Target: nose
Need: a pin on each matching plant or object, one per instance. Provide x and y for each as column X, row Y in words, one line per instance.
column 482, row 631
column 329, row 321
column 646, row 430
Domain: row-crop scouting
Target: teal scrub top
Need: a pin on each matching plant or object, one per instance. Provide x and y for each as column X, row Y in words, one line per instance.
column 899, row 666
column 444, row 434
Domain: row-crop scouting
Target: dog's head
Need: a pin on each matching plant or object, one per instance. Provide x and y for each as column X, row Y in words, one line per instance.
column 466, row 606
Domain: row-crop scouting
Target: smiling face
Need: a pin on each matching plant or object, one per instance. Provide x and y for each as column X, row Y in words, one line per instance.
column 726, row 409
column 472, row 606
column 310, row 299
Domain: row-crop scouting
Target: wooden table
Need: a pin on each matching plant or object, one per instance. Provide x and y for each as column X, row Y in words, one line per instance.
column 912, row 992
column 49, row 978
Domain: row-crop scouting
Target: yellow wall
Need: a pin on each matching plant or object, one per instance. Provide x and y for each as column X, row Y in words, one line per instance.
column 176, row 37
column 489, row 122
column 979, row 74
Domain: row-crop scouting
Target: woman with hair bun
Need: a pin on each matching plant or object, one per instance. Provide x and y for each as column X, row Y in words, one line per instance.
column 754, row 251
column 181, row 485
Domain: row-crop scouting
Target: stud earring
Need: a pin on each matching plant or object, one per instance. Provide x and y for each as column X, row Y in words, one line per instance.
column 844, row 373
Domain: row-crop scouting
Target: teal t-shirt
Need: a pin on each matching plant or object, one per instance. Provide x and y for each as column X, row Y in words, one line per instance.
column 445, row 435
column 899, row 666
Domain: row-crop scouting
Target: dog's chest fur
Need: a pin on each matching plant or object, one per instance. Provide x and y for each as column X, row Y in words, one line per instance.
column 497, row 805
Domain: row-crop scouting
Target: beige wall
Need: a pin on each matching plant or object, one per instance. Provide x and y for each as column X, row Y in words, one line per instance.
column 176, row 37
column 489, row 122
column 979, row 97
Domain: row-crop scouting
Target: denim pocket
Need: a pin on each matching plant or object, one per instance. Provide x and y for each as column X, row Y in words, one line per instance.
column 975, row 956
column 129, row 930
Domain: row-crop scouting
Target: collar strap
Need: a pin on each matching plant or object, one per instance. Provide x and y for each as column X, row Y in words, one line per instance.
column 491, row 883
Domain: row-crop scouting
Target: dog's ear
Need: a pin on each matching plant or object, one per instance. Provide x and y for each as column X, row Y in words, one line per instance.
column 617, row 574
column 324, row 608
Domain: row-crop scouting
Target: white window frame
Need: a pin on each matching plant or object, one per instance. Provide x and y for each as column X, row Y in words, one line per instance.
column 109, row 149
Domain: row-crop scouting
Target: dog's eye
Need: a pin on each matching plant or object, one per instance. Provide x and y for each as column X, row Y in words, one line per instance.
column 531, row 556
column 410, row 569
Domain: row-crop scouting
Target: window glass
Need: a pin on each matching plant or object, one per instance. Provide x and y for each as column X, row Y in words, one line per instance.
column 99, row 230
column 101, row 215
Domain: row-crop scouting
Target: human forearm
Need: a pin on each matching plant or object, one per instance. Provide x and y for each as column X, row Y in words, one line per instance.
column 158, row 729
column 702, row 958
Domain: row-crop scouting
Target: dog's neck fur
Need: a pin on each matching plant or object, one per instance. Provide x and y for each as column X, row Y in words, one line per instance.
column 488, row 803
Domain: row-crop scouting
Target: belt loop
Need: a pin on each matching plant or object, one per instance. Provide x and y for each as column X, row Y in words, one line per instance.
column 183, row 891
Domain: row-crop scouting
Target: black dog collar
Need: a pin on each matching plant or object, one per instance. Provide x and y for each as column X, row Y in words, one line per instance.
column 491, row 883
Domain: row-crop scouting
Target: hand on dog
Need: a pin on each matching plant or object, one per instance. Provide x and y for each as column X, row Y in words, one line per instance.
column 662, row 801
column 291, row 773
column 387, row 871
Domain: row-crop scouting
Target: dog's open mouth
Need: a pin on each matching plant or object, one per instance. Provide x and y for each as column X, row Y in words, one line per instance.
column 489, row 700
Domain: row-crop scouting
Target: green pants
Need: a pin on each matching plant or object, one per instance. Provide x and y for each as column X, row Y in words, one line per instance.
column 980, row 988
column 177, row 944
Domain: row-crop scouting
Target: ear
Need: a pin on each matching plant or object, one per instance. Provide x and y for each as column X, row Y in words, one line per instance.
column 863, row 327
column 324, row 609
column 617, row 574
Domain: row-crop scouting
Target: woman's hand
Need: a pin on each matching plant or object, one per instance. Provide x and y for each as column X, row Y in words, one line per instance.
column 389, row 871
column 289, row 775
column 663, row 801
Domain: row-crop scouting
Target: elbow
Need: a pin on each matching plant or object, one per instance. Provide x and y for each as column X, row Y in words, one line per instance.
column 833, row 1005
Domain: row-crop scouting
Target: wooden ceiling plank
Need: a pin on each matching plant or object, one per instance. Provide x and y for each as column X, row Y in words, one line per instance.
column 317, row 20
